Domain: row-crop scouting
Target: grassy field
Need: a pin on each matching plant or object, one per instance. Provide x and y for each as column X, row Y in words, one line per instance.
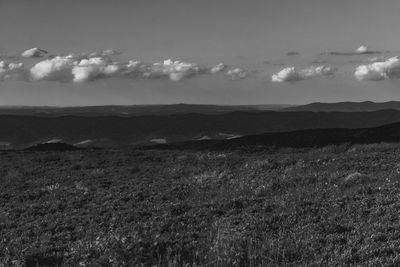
column 335, row 206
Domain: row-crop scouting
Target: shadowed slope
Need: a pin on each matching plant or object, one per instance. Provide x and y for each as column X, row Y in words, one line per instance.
column 298, row 139
column 22, row 131
column 346, row 106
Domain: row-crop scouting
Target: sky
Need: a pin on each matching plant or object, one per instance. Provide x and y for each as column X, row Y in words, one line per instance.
column 250, row 38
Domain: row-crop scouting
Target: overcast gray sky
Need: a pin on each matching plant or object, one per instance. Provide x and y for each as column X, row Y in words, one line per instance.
column 254, row 35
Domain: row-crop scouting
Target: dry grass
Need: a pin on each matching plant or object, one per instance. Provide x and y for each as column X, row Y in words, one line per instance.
column 316, row 207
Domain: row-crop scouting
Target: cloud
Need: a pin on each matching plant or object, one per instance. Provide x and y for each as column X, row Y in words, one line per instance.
column 362, row 49
column 87, row 67
column 286, row 75
column 174, row 70
column 218, row 68
column 134, row 69
column 72, row 68
column 14, row 71
column 94, row 68
column 369, row 60
column 359, row 51
column 170, row 69
column 377, row 59
column 378, row 71
column 315, row 71
column 237, row 74
column 34, row 52
column 290, row 74
column 105, row 53
column 58, row 68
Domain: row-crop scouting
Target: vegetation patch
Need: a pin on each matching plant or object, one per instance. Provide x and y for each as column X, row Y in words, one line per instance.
column 330, row 206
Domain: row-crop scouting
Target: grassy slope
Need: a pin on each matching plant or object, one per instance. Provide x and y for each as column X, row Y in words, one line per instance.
column 133, row 208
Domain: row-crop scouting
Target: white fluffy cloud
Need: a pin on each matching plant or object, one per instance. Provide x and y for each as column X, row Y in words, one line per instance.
column 286, row 75
column 34, row 52
column 359, row 51
column 174, row 70
column 77, row 69
column 218, row 68
column 134, row 69
column 15, row 71
column 70, row 68
column 237, row 74
column 379, row 70
column 94, row 68
column 315, row 71
column 58, row 68
column 290, row 74
column 362, row 49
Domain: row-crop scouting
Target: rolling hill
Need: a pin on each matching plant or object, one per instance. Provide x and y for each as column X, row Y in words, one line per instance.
column 22, row 131
column 298, row 139
column 346, row 106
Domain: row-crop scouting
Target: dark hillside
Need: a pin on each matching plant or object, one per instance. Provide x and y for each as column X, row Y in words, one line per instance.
column 346, row 106
column 299, row 139
column 23, row 131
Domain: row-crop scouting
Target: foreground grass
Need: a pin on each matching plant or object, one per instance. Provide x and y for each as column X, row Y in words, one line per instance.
column 331, row 206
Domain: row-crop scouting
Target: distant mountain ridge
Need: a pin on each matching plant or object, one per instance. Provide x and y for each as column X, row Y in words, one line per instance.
column 365, row 106
column 132, row 110
column 173, row 109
